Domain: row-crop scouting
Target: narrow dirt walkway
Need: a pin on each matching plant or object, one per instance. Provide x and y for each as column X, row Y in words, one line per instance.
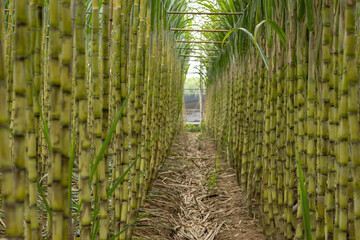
column 193, row 200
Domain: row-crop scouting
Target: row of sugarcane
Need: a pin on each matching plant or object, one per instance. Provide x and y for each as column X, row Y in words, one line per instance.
column 291, row 97
column 90, row 99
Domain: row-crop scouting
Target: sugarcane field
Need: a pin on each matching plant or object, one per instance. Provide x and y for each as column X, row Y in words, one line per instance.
column 179, row 119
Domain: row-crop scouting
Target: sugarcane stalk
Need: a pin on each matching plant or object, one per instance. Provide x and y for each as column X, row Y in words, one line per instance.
column 348, row 119
column 16, row 200
column 66, row 98
column 7, row 183
column 104, row 164
column 82, row 113
column 125, row 129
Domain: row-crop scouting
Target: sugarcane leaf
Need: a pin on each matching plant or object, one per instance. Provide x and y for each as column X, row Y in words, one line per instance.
column 95, row 224
column 254, row 42
column 257, row 29
column 304, row 200
column 11, row 133
column 43, row 197
column 140, row 176
column 279, row 31
column 228, row 34
column 44, row 126
column 121, row 178
column 300, row 10
column 129, row 225
column 71, row 163
column 94, row 227
column 109, row 135
column 309, row 14
column 257, row 46
column 73, row 227
column 43, row 177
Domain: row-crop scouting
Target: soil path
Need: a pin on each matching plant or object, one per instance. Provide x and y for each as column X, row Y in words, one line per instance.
column 191, row 200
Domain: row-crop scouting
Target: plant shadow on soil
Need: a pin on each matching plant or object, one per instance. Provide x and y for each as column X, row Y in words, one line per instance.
column 193, row 199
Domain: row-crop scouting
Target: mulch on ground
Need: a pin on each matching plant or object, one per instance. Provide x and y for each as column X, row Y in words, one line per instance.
column 195, row 200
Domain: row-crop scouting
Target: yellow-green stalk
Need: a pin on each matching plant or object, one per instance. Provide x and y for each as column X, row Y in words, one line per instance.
column 66, row 100
column 32, row 121
column 324, row 126
column 55, row 111
column 9, row 58
column 311, row 133
column 30, row 142
column 134, row 32
column 7, row 179
column 96, row 89
column 82, row 112
column 138, row 91
column 146, row 111
column 350, row 95
column 16, row 200
column 124, row 142
column 354, row 121
column 103, row 183
column 292, row 129
column 333, row 125
column 341, row 217
column 152, row 108
column 116, row 78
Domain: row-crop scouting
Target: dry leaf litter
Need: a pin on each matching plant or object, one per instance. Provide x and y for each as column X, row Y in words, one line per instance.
column 189, row 201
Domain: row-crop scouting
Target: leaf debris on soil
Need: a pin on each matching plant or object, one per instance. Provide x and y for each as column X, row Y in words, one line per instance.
column 188, row 202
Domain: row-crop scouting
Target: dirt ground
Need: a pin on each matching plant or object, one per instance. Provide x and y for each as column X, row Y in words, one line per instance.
column 192, row 199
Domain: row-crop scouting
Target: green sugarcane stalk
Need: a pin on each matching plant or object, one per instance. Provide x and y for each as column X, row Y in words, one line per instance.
column 31, row 215
column 324, row 126
column 146, row 114
column 65, row 118
column 16, row 200
column 36, row 71
column 155, row 106
column 138, row 104
column 55, row 112
column 96, row 105
column 281, row 130
column 105, row 72
column 333, row 124
column 153, row 93
column 7, row 183
column 9, row 60
column 342, row 138
column 350, row 120
column 136, row 39
column 125, row 131
column 292, row 109
column 82, row 113
column 354, row 137
column 265, row 188
column 129, row 200
column 117, row 89
column 311, row 132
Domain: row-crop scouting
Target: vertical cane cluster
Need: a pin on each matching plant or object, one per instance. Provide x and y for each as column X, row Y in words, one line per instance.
column 90, row 97
column 286, row 88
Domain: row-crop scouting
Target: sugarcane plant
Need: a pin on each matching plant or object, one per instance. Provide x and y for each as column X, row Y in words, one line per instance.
column 285, row 84
column 89, row 107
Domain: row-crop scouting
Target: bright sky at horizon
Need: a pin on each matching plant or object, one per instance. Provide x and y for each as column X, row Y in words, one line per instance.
column 198, row 23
